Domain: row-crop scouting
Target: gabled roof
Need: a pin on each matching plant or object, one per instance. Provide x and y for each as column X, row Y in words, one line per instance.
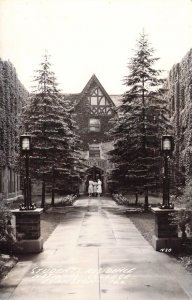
column 94, row 80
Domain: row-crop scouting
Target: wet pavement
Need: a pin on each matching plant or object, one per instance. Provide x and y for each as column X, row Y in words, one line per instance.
column 96, row 253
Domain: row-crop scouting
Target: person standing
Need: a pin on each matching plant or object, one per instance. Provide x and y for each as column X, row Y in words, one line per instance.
column 99, row 187
column 95, row 188
column 90, row 188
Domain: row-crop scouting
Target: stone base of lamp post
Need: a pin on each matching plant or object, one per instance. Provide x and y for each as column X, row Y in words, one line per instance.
column 166, row 237
column 28, row 230
column 167, row 244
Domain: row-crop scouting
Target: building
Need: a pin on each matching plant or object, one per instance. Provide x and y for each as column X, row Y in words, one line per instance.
column 12, row 97
column 94, row 109
column 179, row 97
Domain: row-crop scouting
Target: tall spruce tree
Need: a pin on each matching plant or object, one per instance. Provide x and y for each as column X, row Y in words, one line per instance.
column 141, row 121
column 48, row 118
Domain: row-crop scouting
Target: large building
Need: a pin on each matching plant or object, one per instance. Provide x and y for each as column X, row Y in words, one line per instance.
column 180, row 102
column 12, row 97
column 94, row 108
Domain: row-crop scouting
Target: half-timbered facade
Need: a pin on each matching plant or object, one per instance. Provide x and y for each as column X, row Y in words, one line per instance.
column 94, row 108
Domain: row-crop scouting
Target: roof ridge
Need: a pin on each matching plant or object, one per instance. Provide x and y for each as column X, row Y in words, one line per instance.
column 87, row 86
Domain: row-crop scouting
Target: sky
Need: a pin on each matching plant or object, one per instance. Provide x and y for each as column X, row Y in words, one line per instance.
column 86, row 37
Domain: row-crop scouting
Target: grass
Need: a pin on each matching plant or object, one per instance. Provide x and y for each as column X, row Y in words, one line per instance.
column 49, row 222
column 145, row 223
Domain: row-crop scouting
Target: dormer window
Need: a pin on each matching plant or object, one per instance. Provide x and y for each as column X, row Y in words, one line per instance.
column 94, row 125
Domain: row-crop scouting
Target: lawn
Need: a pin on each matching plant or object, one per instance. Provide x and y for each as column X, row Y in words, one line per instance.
column 145, row 224
column 49, row 222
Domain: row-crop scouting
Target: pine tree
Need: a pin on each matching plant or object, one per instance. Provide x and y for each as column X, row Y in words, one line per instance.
column 141, row 121
column 48, row 118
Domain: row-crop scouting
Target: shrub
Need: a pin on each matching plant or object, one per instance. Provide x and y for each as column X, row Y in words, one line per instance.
column 7, row 238
column 120, row 199
column 67, row 200
column 187, row 195
column 185, row 215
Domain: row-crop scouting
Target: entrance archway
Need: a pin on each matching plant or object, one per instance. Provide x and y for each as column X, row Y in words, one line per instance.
column 94, row 174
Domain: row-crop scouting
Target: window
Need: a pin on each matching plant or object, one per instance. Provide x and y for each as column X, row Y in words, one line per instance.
column 94, row 125
column 11, row 182
column 99, row 104
column 97, row 98
column 102, row 101
column 94, row 151
column 93, row 100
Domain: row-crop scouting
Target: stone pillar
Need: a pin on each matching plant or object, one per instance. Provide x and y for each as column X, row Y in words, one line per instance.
column 28, row 230
column 166, row 230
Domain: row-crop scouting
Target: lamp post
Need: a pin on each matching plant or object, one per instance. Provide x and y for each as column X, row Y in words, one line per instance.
column 25, row 146
column 167, row 147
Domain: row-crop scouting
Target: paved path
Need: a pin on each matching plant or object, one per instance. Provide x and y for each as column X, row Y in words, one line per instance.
column 96, row 253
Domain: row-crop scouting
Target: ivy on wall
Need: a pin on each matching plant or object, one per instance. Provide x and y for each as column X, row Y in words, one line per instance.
column 12, row 97
column 180, row 100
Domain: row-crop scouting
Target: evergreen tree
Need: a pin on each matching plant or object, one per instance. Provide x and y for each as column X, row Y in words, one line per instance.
column 141, row 121
column 48, row 118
